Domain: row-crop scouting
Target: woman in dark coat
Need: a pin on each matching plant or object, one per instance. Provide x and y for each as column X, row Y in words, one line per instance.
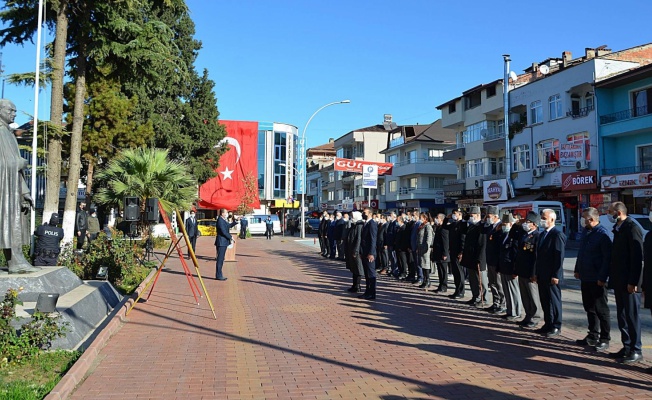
column 353, row 259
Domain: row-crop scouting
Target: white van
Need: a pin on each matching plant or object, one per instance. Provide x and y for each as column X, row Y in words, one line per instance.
column 522, row 208
column 257, row 224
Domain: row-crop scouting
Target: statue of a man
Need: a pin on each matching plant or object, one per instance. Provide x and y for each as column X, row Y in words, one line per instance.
column 15, row 199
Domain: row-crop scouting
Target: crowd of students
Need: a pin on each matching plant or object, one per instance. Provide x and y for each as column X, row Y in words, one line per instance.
column 519, row 261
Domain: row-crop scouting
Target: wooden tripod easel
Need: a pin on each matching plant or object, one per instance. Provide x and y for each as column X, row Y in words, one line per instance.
column 175, row 245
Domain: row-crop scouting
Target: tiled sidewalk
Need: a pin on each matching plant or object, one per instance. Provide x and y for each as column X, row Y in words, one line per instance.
column 286, row 328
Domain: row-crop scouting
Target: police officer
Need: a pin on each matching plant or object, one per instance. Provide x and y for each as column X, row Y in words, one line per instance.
column 47, row 245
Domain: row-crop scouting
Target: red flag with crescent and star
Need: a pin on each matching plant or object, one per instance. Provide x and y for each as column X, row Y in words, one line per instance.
column 238, row 162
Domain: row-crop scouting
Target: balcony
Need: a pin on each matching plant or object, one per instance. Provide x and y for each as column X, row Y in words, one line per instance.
column 625, row 114
column 454, row 185
column 348, row 177
column 454, row 152
column 626, row 122
column 626, row 170
column 579, row 113
column 427, row 166
column 396, row 142
column 494, row 142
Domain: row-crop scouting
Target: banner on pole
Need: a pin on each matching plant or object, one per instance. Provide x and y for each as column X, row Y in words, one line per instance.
column 348, row 165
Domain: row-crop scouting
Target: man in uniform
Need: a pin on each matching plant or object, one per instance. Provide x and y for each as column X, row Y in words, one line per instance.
column 526, row 258
column 550, row 272
column 493, row 231
column 474, row 257
column 48, row 237
column 592, row 269
column 456, row 235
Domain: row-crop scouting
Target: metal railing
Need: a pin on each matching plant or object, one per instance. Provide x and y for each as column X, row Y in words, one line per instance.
column 494, row 136
column 448, row 182
column 454, row 147
column 582, row 112
column 626, row 170
column 426, row 160
column 625, row 114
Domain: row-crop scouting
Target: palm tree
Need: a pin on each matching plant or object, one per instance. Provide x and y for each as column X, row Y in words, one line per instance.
column 146, row 173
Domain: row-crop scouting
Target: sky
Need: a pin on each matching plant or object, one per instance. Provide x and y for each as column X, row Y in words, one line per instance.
column 281, row 60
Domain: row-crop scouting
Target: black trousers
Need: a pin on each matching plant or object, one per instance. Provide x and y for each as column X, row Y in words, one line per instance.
column 458, row 276
column 402, row 259
column 629, row 321
column 550, row 297
column 81, row 238
column 322, row 245
column 442, row 272
column 594, row 300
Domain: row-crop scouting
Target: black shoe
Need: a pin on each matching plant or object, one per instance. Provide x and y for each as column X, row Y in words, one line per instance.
column 418, row 283
column 512, row 317
column 221, row 279
column 491, row 309
column 499, row 310
column 649, row 370
column 542, row 331
column 353, row 289
column 528, row 325
column 441, row 290
column 602, row 345
column 553, row 332
column 424, row 285
column 458, row 296
column 622, row 353
column 587, row 341
column 369, row 297
column 470, row 302
column 632, row 358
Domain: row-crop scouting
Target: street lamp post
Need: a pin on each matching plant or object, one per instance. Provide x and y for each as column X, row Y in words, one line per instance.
column 303, row 167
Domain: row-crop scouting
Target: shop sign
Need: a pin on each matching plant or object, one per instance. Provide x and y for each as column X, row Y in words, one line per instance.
column 579, row 180
column 625, row 181
column 348, row 165
column 570, row 154
column 642, row 192
column 555, row 178
column 453, row 193
column 495, row 190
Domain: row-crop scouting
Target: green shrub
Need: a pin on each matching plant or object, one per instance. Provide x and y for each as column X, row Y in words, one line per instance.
column 160, row 242
column 33, row 337
column 3, row 260
column 122, row 257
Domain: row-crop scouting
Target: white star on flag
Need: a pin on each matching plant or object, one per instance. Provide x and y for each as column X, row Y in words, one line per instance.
column 226, row 174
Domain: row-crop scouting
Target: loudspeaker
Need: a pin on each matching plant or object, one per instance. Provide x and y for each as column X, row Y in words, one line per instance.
column 152, row 210
column 46, row 302
column 132, row 209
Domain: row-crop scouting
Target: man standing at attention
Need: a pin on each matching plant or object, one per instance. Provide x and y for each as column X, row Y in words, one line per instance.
column 592, row 269
column 368, row 253
column 549, row 272
column 222, row 241
column 625, row 278
column 192, row 230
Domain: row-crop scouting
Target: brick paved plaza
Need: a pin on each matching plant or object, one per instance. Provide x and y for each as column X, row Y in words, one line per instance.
column 286, row 328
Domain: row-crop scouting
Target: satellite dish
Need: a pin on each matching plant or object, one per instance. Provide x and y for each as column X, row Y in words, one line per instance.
column 483, row 132
column 513, row 75
column 544, row 69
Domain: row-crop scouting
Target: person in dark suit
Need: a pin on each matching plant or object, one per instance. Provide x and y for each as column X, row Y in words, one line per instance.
column 549, row 272
column 192, row 230
column 647, row 274
column 353, row 257
column 494, row 232
column 222, row 240
column 526, row 258
column 474, row 256
column 440, row 253
column 506, row 267
column 625, row 278
column 456, row 235
column 401, row 247
column 592, row 269
column 345, row 235
column 338, row 232
column 390, row 238
column 321, row 233
column 382, row 264
column 368, row 253
column 269, row 227
column 243, row 227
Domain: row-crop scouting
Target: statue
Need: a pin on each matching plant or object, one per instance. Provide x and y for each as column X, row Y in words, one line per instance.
column 15, row 199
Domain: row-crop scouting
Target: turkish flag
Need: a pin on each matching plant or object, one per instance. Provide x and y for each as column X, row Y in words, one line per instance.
column 238, row 163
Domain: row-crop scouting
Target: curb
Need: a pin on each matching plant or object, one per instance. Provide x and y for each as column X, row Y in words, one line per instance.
column 76, row 374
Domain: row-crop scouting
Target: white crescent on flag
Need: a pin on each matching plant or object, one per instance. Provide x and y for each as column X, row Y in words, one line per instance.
column 233, row 142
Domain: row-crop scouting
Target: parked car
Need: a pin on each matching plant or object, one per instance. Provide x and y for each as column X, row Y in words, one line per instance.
column 643, row 221
column 312, row 225
column 257, row 224
column 207, row 227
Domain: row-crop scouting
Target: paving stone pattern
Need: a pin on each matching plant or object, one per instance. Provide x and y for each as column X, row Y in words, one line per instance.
column 287, row 329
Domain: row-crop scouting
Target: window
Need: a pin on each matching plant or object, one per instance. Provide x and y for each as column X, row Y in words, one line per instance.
column 435, row 182
column 548, row 153
column 521, row 158
column 393, row 158
column 497, row 166
column 280, row 156
column 491, row 91
column 435, row 154
column 555, row 107
column 472, row 100
column 331, row 195
column 393, row 185
column 589, row 100
column 411, row 157
column 262, row 135
column 642, row 101
column 412, row 183
column 381, row 188
column 331, row 176
column 645, row 158
column 576, row 104
column 536, row 112
column 475, row 168
column 340, row 195
column 359, row 191
column 340, row 153
column 451, row 108
column 581, row 138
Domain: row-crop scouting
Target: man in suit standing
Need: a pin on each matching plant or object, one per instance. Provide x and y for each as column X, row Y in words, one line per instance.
column 368, row 253
column 222, row 240
column 526, row 257
column 493, row 230
column 549, row 272
column 440, row 255
column 625, row 278
column 243, row 227
column 457, row 233
column 192, row 230
column 474, row 257
column 322, row 234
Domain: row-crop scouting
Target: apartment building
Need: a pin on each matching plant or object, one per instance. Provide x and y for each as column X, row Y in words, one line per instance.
column 317, row 158
column 419, row 172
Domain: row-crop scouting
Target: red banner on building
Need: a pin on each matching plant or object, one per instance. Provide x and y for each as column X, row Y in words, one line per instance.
column 579, row 180
column 348, row 165
column 239, row 162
